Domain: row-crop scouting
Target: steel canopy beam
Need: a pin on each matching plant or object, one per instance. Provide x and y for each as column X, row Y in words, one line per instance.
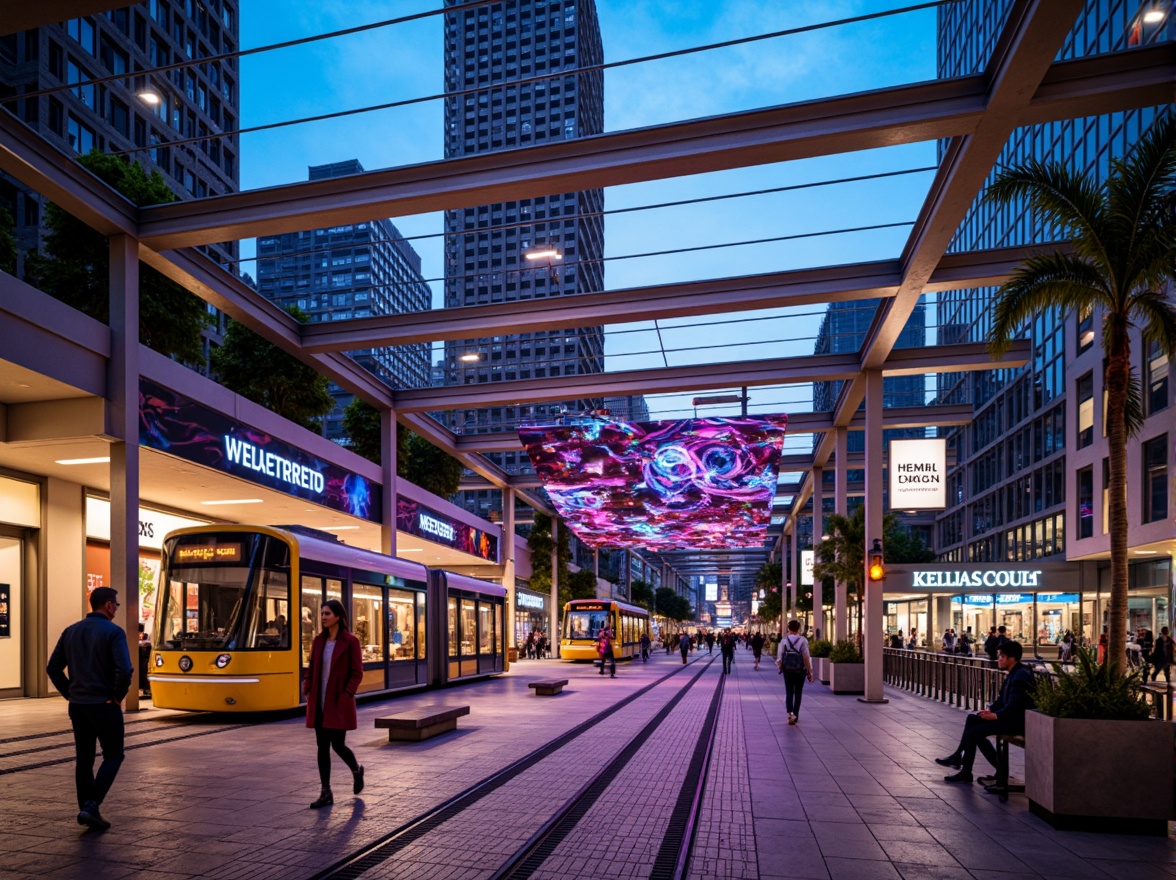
column 868, row 120
column 798, row 287
column 782, row 371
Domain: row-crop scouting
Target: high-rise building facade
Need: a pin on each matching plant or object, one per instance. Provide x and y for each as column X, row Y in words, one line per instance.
column 351, row 271
column 134, row 115
column 843, row 329
column 1031, row 470
column 511, row 72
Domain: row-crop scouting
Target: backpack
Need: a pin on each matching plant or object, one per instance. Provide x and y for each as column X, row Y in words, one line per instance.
column 793, row 659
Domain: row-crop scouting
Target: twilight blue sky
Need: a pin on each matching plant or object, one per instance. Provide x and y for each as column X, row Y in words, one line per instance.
column 405, row 61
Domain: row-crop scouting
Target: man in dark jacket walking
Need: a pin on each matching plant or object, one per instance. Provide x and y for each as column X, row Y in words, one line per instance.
column 1006, row 715
column 727, row 649
column 95, row 652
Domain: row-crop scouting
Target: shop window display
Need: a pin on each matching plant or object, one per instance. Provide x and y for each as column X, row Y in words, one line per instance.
column 367, row 615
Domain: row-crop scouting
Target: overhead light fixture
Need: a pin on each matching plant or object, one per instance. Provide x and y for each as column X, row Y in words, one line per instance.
column 1146, row 552
column 542, row 252
column 717, row 398
column 410, row 550
column 1154, row 16
column 103, row 459
column 232, row 501
column 149, row 96
column 470, row 358
column 339, row 528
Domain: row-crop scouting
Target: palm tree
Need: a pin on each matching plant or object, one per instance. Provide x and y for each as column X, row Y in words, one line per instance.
column 843, row 556
column 1122, row 235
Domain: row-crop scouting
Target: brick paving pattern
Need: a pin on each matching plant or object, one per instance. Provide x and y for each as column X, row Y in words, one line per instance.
column 849, row 792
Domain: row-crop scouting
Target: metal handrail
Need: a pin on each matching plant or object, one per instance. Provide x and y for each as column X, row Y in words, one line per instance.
column 973, row 683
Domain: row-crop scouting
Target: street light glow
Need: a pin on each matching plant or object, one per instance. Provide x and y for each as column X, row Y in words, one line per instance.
column 542, row 252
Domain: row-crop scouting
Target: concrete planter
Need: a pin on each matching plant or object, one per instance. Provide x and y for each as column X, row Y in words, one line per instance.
column 1110, row 776
column 847, row 678
column 821, row 669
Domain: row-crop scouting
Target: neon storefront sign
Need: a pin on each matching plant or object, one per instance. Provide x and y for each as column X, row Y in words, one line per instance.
column 979, row 578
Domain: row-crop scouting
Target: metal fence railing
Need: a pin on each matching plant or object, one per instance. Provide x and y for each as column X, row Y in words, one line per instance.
column 972, row 683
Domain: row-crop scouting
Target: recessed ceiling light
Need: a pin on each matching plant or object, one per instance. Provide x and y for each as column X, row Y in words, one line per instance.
column 1146, row 552
column 233, row 501
column 103, row 459
column 410, row 550
column 339, row 528
column 1153, row 15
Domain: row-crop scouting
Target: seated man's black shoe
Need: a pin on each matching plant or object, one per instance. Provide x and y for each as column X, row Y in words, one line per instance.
column 950, row 761
column 91, row 818
column 962, row 776
column 996, row 789
column 985, row 780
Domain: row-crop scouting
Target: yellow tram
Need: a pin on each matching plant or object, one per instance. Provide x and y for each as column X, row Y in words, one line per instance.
column 238, row 608
column 583, row 620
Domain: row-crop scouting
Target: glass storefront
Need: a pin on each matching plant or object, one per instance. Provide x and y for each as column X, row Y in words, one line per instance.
column 907, row 616
column 530, row 614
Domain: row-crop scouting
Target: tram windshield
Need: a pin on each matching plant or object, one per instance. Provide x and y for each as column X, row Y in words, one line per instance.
column 585, row 624
column 224, row 591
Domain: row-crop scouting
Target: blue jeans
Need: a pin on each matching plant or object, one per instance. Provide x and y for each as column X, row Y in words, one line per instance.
column 94, row 724
column 793, row 688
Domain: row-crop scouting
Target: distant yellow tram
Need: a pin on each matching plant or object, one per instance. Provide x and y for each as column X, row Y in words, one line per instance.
column 584, row 619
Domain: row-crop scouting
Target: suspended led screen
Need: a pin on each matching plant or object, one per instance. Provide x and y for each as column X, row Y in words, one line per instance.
column 688, row 484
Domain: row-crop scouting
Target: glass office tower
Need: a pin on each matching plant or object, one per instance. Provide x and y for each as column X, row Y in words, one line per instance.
column 351, row 271
column 531, row 248
column 1027, row 483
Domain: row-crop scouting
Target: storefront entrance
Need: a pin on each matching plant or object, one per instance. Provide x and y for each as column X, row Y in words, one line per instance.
column 11, row 631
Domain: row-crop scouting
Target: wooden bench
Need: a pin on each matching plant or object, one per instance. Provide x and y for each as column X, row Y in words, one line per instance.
column 1003, row 741
column 414, row 725
column 548, row 687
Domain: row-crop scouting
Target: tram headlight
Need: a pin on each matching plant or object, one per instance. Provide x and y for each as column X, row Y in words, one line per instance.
column 222, row 660
column 185, row 663
column 158, row 659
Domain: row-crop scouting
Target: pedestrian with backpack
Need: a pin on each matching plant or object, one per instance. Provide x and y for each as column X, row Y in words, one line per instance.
column 796, row 665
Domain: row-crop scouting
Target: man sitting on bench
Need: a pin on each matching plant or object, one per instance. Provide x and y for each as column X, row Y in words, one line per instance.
column 1006, row 715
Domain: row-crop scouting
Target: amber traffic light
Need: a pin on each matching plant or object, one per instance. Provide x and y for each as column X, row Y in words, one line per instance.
column 877, row 572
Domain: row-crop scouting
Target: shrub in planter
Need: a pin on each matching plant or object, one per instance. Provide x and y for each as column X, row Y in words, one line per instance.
column 847, row 672
column 819, row 650
column 1088, row 747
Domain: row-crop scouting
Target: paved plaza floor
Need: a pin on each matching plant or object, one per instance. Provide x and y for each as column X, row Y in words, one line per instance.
column 850, row 792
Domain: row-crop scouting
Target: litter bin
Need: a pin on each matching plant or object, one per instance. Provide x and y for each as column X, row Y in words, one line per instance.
column 512, row 655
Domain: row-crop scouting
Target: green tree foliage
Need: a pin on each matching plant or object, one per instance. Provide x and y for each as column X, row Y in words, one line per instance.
column 540, row 544
column 417, row 460
column 672, row 606
column 641, row 593
column 771, row 606
column 7, row 243
column 252, row 367
column 578, row 585
column 1122, row 234
column 844, row 652
column 904, row 545
column 75, row 267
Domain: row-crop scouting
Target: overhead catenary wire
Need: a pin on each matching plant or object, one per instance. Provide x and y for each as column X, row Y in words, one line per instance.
column 457, row 93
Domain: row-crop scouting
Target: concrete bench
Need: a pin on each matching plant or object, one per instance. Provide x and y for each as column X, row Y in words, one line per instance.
column 1003, row 783
column 414, row 725
column 549, row 687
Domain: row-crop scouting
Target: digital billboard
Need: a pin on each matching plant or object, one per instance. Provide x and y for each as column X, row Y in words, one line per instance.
column 686, row 484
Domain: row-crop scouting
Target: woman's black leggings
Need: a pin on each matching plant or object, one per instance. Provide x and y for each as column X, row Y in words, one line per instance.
column 327, row 740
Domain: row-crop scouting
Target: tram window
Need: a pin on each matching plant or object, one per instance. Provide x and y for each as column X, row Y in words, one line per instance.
column 587, row 624
column 469, row 626
column 401, row 624
column 271, row 627
column 312, row 602
column 452, row 627
column 420, row 626
column 367, row 620
column 485, row 628
column 201, row 607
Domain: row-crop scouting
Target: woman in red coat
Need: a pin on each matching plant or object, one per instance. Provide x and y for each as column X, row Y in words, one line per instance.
column 334, row 676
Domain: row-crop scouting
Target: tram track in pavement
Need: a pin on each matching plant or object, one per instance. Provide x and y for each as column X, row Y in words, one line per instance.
column 673, row 855
column 158, row 726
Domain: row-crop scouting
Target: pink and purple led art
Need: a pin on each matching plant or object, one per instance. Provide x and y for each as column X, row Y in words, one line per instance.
column 687, row 484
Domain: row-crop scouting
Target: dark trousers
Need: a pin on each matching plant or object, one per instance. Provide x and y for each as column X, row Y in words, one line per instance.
column 728, row 659
column 1166, row 670
column 328, row 739
column 684, row 650
column 976, row 733
column 607, row 657
column 793, row 688
column 93, row 725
